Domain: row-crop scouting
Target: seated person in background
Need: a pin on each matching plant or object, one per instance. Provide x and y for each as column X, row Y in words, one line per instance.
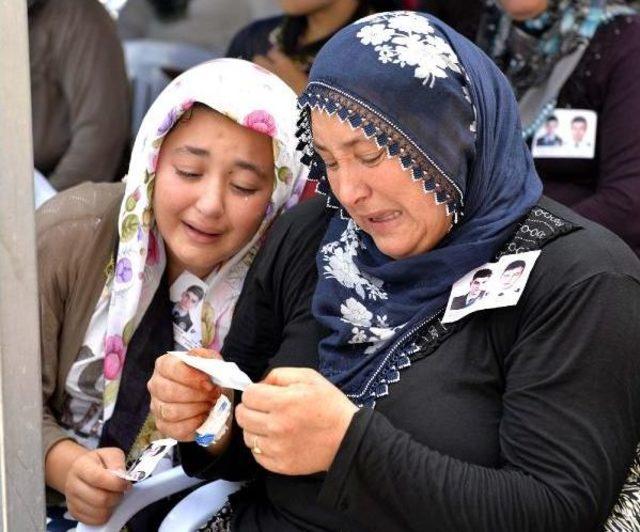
column 550, row 137
column 477, row 290
column 524, row 417
column 210, row 24
column 580, row 55
column 79, row 92
column 287, row 44
column 213, row 164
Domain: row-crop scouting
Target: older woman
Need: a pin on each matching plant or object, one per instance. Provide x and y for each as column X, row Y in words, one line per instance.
column 213, row 164
column 517, row 417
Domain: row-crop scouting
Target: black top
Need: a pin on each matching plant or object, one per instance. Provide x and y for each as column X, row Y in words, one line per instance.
column 525, row 418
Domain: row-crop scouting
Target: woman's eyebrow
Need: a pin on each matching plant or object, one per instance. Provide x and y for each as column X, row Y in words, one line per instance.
column 193, row 150
column 346, row 144
column 247, row 165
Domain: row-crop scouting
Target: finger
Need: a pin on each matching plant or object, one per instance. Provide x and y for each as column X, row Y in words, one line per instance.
column 205, row 353
column 252, row 420
column 177, row 371
column 289, row 376
column 258, row 444
column 173, row 392
column 87, row 514
column 174, row 412
column 93, row 497
column 94, row 473
column 264, row 397
column 182, row 430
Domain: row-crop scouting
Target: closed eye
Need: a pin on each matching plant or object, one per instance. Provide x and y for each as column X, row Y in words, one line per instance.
column 186, row 173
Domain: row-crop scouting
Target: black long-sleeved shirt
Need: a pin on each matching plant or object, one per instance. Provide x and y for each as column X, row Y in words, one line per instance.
column 526, row 418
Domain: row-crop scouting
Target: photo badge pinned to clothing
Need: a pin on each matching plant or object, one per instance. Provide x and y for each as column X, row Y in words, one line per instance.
column 566, row 134
column 186, row 295
column 492, row 285
column 147, row 461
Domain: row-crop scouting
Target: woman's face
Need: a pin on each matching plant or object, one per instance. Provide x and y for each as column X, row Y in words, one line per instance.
column 377, row 193
column 213, row 182
column 524, row 9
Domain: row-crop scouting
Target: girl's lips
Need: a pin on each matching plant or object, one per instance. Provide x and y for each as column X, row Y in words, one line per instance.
column 200, row 236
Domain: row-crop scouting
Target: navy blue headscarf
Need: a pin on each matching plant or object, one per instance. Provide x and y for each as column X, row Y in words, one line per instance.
column 438, row 104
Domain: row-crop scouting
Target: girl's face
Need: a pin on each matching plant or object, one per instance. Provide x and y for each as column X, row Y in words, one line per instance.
column 213, row 183
column 377, row 193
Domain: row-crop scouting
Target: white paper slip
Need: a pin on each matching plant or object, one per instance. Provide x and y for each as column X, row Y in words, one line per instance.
column 215, row 425
column 224, row 374
column 147, row 461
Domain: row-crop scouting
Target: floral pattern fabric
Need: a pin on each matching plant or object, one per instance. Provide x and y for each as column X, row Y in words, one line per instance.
column 252, row 97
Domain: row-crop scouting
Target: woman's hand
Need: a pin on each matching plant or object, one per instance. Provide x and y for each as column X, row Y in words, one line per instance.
column 91, row 490
column 181, row 396
column 294, row 421
column 283, row 67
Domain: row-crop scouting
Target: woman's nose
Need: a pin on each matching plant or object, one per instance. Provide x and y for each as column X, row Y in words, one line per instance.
column 210, row 200
column 350, row 188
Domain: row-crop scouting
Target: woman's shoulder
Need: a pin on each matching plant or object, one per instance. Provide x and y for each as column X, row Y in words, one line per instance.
column 588, row 251
column 88, row 203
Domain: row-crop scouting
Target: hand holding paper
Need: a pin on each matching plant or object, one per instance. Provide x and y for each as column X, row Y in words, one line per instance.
column 224, row 374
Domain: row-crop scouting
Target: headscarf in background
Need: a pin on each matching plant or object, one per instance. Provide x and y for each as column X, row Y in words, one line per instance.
column 539, row 55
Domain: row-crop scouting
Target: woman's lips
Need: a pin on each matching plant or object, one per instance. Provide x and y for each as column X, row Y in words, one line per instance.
column 199, row 235
column 382, row 220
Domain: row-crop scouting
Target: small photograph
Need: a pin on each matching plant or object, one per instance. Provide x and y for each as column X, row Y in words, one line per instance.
column 549, row 135
column 510, row 277
column 493, row 285
column 567, row 133
column 148, row 460
column 477, row 290
column 186, row 295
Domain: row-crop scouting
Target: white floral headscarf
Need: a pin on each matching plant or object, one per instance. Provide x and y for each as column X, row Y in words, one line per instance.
column 252, row 97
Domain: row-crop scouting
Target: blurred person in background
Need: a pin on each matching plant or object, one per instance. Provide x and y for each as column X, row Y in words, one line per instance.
column 79, row 92
column 580, row 55
column 209, row 24
column 287, row 44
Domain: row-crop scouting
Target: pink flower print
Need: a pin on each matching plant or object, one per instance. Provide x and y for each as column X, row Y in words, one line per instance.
column 113, row 356
column 123, row 270
column 153, row 254
column 261, row 121
column 187, row 104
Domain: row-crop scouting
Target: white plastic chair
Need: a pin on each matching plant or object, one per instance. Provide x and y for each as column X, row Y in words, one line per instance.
column 188, row 515
column 147, row 63
column 196, row 508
